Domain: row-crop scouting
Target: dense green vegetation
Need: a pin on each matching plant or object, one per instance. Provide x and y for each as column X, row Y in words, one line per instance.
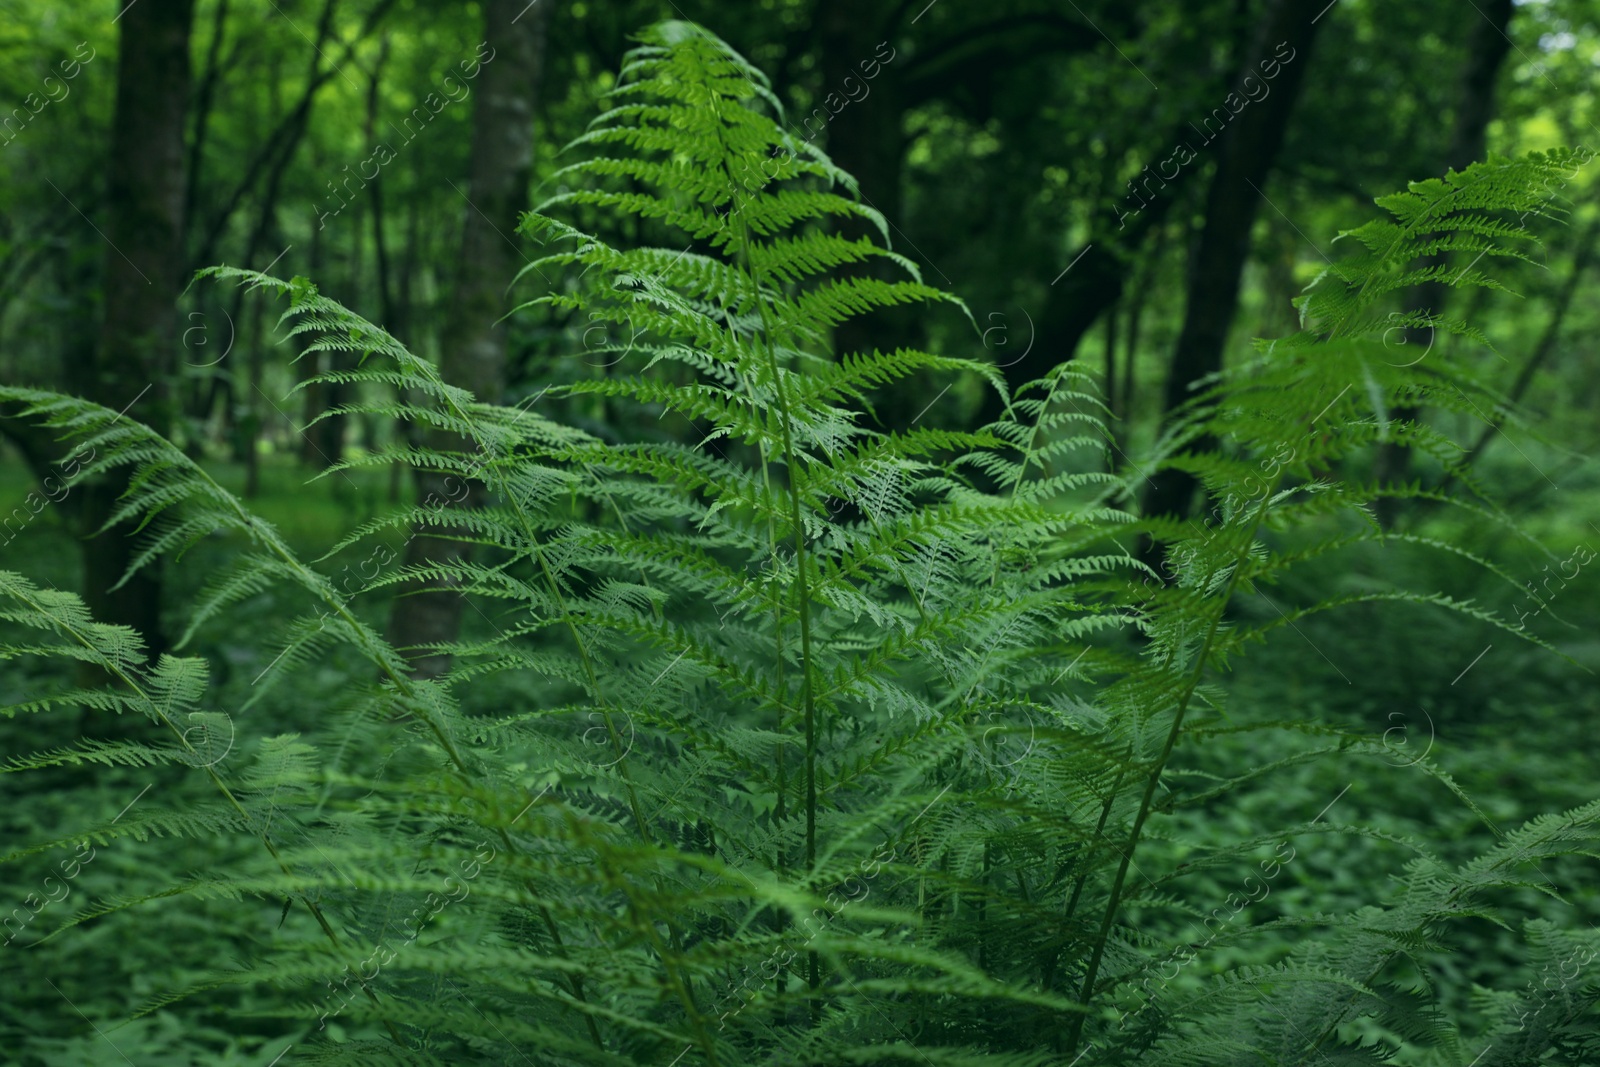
column 644, row 610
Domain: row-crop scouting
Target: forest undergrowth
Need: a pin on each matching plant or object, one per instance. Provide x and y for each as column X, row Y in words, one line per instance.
column 798, row 739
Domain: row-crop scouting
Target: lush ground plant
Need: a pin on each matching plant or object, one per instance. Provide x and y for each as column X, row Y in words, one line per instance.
column 809, row 742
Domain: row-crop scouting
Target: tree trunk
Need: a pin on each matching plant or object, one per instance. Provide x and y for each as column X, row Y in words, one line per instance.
column 1487, row 47
column 133, row 367
column 1247, row 152
column 322, row 435
column 380, row 246
column 863, row 135
column 413, row 244
column 247, row 426
column 473, row 347
column 1582, row 259
column 1092, row 280
column 1138, row 299
column 1108, row 388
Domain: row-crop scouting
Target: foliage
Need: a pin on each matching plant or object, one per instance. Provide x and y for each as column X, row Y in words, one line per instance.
column 823, row 743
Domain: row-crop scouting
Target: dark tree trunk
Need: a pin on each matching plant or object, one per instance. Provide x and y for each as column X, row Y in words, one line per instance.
column 1109, row 387
column 1487, row 47
column 1582, row 259
column 204, row 96
column 134, row 358
column 322, row 435
column 864, row 136
column 1138, row 299
column 380, row 245
column 247, row 427
column 473, row 347
column 1486, row 53
column 1091, row 280
column 857, row 120
column 390, row 314
column 1247, row 151
column 413, row 245
column 205, row 389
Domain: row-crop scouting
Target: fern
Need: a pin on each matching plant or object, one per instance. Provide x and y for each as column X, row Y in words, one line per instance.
column 796, row 740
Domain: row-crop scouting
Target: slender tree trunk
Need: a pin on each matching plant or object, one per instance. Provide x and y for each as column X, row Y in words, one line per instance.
column 1582, row 260
column 318, row 441
column 248, row 425
column 390, row 314
column 205, row 94
column 280, row 145
column 322, row 435
column 473, row 346
column 858, row 121
column 403, row 430
column 134, row 356
column 1092, row 279
column 1247, row 152
column 1487, row 47
column 1109, row 387
column 204, row 389
column 380, row 246
column 249, row 418
column 1138, row 300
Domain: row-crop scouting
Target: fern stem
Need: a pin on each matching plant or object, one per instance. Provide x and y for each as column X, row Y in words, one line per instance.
column 803, row 597
column 1049, row 977
column 1092, row 972
column 802, row 590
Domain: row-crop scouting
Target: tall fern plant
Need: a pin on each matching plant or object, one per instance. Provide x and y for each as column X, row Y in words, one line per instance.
column 767, row 684
column 1307, row 410
column 795, row 741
